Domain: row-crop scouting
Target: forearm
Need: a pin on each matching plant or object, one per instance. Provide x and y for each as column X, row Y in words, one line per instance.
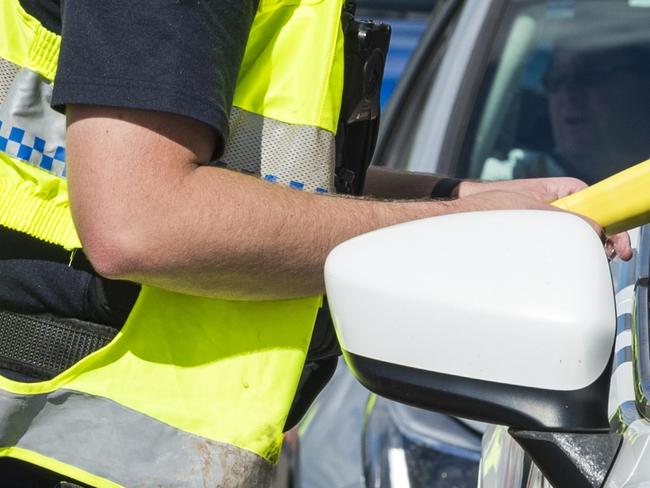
column 214, row 232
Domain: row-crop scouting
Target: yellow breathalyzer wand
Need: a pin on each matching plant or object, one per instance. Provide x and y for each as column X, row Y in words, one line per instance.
column 618, row 203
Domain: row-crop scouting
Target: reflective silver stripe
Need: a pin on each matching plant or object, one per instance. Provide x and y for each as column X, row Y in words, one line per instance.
column 30, row 129
column 298, row 156
column 8, row 72
column 119, row 444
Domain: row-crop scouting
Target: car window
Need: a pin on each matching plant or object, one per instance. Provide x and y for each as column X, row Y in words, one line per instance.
column 529, row 88
column 565, row 92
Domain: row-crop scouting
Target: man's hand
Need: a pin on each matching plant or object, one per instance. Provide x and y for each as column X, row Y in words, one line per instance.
column 505, row 200
column 554, row 188
column 544, row 190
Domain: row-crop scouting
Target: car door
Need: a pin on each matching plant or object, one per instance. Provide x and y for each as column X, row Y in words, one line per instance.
column 507, row 90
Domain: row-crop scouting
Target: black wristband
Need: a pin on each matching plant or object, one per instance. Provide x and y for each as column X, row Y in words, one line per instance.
column 445, row 187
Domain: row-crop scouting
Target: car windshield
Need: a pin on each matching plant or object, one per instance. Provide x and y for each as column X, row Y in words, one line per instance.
column 566, row 92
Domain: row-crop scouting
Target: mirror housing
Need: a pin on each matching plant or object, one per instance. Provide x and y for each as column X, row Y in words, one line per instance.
column 502, row 316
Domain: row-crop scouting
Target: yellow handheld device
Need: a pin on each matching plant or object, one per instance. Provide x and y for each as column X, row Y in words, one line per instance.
column 618, row 203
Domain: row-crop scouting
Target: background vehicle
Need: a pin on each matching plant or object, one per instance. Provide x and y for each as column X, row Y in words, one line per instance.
column 477, row 101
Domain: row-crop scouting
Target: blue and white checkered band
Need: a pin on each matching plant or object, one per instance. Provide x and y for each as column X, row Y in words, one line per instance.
column 32, row 149
column 30, row 130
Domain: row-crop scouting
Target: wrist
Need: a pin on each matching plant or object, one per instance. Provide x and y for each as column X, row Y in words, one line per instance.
column 469, row 187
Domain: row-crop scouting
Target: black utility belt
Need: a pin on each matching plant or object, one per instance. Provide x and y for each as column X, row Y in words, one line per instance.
column 38, row 277
column 18, row 245
column 54, row 308
column 39, row 347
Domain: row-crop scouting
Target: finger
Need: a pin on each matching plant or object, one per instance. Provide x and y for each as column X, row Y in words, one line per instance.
column 566, row 186
column 620, row 245
column 550, row 197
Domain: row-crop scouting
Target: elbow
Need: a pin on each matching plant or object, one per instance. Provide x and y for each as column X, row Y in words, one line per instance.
column 113, row 253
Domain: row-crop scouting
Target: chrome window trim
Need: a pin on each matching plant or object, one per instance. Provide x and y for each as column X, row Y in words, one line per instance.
column 401, row 114
column 443, row 95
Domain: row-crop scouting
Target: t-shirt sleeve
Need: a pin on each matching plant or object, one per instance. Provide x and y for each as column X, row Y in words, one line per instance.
column 178, row 56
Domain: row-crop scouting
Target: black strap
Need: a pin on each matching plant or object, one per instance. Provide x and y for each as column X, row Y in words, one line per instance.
column 445, row 187
column 42, row 346
column 366, row 47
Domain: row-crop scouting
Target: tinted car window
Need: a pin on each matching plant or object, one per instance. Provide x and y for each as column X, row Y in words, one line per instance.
column 528, row 88
column 565, row 92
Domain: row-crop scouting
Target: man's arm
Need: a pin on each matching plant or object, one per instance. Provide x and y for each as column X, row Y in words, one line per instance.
column 388, row 183
column 148, row 210
column 395, row 184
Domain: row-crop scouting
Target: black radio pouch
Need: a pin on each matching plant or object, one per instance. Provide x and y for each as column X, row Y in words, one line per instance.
column 366, row 46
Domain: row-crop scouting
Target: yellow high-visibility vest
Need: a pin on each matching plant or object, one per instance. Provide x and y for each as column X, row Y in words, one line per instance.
column 192, row 391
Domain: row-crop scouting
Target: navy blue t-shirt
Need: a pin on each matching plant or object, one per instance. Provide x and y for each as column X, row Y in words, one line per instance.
column 176, row 56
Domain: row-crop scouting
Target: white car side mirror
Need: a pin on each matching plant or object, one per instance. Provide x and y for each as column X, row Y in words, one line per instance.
column 502, row 316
